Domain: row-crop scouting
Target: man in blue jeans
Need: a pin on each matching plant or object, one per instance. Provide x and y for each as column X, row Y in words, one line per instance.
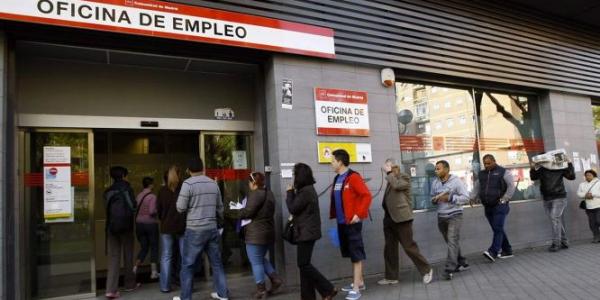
column 200, row 199
column 495, row 187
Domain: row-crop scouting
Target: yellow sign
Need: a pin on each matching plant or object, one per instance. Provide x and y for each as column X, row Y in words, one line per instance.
column 359, row 152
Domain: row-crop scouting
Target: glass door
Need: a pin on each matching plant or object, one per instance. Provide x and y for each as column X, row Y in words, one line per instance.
column 228, row 160
column 57, row 181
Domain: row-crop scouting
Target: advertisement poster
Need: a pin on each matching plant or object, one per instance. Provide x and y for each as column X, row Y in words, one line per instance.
column 341, row 112
column 287, row 91
column 58, row 193
column 359, row 152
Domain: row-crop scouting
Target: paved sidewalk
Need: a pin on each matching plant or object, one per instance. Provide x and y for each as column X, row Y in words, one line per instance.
column 531, row 274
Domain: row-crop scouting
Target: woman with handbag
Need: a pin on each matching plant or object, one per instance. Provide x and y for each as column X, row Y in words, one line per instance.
column 303, row 204
column 589, row 191
column 259, row 234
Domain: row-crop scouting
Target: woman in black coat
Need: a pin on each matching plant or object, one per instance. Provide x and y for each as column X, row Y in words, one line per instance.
column 303, row 204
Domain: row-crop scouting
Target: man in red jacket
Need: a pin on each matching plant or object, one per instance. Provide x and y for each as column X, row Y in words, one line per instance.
column 350, row 201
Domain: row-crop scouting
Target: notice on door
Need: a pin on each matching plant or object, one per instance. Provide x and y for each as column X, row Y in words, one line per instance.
column 240, row 160
column 58, row 194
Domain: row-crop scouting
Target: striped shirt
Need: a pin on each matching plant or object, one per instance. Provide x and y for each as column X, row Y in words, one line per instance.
column 200, row 199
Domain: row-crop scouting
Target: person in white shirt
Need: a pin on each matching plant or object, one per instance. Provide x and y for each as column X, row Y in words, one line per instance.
column 589, row 190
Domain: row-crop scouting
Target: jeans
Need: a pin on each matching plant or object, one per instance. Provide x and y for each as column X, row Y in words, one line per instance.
column 168, row 259
column 594, row 221
column 310, row 277
column 260, row 264
column 555, row 210
column 496, row 216
column 450, row 229
column 402, row 233
column 194, row 242
column 147, row 235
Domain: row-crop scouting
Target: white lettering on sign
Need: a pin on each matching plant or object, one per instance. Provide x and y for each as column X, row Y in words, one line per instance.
column 341, row 112
column 175, row 21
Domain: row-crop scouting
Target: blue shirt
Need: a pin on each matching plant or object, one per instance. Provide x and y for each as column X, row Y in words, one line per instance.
column 337, row 195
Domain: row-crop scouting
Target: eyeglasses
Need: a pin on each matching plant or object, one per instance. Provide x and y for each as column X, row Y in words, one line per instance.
column 252, row 178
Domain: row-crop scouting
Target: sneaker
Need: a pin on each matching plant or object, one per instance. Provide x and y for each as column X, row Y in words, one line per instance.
column 350, row 288
column 505, row 255
column 176, row 298
column 214, row 295
column 137, row 286
column 487, row 255
column 112, row 295
column 564, row 246
column 387, row 282
column 352, row 295
column 463, row 267
column 448, row 275
column 154, row 275
column 554, row 248
column 428, row 277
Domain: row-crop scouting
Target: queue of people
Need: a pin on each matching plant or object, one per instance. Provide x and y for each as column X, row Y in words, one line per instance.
column 186, row 218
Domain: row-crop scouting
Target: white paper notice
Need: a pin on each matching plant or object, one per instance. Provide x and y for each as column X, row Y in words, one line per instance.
column 287, row 173
column 58, row 193
column 577, row 164
column 240, row 160
column 586, row 164
column 594, row 158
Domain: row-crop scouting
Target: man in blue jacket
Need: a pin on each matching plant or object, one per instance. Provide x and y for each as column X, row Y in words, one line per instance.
column 495, row 187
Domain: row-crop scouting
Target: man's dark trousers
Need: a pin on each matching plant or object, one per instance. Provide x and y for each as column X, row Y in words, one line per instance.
column 496, row 216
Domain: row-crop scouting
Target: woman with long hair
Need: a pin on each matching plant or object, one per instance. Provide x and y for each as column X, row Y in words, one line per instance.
column 172, row 226
column 259, row 234
column 303, row 204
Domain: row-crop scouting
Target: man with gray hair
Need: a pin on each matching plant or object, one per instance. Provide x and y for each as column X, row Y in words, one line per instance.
column 397, row 226
column 449, row 193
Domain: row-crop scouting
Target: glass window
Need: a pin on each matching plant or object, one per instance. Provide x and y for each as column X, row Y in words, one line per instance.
column 596, row 111
column 505, row 125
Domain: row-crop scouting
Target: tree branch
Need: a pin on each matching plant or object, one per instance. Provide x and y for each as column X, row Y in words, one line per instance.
column 515, row 99
column 508, row 116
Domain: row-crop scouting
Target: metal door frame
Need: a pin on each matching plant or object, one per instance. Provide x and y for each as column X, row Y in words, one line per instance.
column 23, row 243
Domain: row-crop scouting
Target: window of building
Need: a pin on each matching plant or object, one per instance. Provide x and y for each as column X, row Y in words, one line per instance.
column 447, row 104
column 421, row 109
column 504, row 125
column 436, row 106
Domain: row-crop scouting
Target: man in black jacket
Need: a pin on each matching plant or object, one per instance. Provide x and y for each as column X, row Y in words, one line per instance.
column 495, row 187
column 553, row 191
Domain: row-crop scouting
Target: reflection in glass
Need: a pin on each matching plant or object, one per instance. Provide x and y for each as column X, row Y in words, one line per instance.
column 471, row 124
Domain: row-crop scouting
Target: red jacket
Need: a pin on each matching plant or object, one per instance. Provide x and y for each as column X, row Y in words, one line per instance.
column 356, row 197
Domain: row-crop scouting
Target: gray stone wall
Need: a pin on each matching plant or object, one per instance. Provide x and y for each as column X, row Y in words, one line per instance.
column 292, row 138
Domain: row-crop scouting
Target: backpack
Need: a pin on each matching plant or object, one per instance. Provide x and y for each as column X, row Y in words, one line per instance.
column 120, row 212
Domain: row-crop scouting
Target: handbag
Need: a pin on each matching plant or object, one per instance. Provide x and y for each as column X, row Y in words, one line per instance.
column 289, row 231
column 582, row 203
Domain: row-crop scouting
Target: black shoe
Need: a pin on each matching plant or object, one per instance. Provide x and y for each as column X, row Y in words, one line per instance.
column 554, row 248
column 447, row 275
column 564, row 246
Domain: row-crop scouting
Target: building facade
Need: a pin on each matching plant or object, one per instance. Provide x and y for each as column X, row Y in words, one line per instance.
column 84, row 83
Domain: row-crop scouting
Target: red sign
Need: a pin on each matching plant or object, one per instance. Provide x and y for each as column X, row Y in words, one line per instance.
column 175, row 21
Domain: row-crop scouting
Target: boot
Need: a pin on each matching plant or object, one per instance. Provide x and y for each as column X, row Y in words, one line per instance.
column 154, row 274
column 276, row 283
column 261, row 291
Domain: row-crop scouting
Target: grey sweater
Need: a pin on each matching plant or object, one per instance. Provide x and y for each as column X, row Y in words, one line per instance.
column 200, row 199
column 458, row 196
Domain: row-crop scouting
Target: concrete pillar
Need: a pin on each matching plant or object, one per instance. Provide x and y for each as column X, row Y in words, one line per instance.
column 567, row 122
column 3, row 173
